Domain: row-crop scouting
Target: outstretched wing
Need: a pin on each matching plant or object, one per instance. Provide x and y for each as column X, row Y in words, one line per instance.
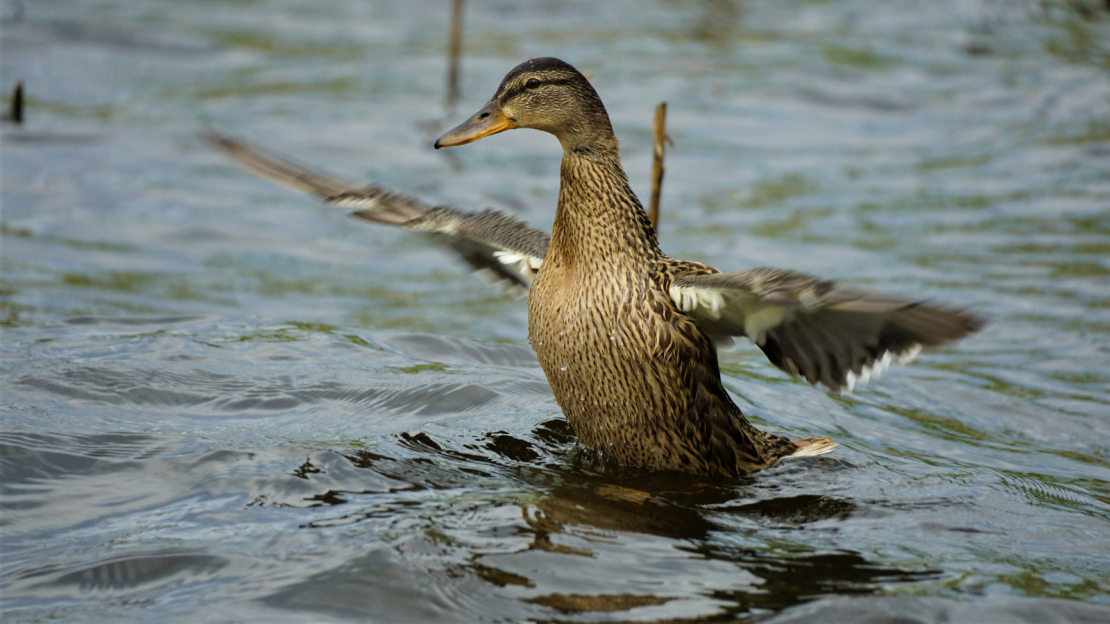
column 814, row 328
column 489, row 241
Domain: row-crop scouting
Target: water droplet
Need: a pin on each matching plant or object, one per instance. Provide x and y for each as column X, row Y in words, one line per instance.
column 564, row 367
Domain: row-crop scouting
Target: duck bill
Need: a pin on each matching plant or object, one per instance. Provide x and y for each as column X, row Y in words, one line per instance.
column 489, row 120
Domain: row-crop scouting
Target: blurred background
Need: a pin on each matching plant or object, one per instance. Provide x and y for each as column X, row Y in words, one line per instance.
column 221, row 400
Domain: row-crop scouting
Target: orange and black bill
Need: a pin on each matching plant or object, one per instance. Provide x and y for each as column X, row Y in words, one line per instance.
column 489, row 120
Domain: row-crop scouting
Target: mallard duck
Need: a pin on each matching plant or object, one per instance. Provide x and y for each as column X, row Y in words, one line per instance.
column 626, row 335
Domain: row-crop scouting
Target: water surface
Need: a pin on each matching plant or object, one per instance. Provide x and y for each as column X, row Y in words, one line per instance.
column 223, row 401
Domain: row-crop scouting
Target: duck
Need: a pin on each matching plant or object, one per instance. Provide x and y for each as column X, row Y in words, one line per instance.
column 626, row 335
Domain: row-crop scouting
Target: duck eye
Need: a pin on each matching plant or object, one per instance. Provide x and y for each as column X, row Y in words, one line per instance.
column 532, row 83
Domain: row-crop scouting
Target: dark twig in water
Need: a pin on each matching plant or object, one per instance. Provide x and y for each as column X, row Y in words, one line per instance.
column 454, row 52
column 657, row 163
column 15, row 114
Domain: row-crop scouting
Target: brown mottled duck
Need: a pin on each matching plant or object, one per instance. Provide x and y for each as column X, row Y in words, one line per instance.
column 625, row 334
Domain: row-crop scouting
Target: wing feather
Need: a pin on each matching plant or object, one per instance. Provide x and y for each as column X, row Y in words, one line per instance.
column 813, row 328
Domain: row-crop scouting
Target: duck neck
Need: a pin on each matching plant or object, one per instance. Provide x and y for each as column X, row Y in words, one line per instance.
column 599, row 218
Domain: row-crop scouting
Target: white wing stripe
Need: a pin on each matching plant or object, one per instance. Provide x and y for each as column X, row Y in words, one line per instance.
column 689, row 299
column 879, row 366
column 758, row 321
column 366, row 202
column 527, row 265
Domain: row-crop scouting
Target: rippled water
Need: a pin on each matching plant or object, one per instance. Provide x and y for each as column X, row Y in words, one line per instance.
column 223, row 401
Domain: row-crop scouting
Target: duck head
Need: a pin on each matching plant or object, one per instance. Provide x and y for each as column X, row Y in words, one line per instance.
column 546, row 94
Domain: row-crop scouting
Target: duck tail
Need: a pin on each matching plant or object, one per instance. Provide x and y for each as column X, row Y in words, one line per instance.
column 807, row 447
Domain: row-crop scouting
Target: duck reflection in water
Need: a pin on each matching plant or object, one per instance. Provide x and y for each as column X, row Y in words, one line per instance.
column 598, row 514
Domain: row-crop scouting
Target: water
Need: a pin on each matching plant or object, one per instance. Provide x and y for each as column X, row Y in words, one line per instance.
column 223, row 401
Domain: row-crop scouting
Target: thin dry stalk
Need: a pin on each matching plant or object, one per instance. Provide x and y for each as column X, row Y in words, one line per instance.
column 454, row 52
column 660, row 127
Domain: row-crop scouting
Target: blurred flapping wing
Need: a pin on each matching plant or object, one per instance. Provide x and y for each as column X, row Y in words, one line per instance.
column 495, row 244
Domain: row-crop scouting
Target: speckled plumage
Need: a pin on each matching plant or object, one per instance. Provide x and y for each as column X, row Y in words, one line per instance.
column 635, row 377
